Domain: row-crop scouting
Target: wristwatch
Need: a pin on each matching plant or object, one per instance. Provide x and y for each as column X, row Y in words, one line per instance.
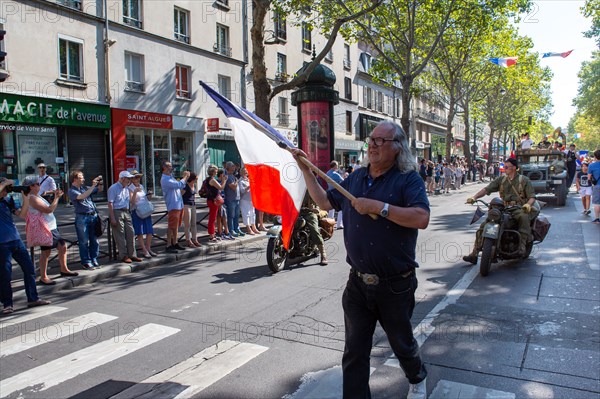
column 384, row 212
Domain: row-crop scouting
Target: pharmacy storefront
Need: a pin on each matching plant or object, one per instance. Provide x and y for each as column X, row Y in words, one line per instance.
column 143, row 140
column 65, row 135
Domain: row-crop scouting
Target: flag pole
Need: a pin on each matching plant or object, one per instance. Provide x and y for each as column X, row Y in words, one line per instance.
column 324, row 176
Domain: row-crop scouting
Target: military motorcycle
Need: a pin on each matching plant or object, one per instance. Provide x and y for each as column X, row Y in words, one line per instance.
column 501, row 238
column 301, row 247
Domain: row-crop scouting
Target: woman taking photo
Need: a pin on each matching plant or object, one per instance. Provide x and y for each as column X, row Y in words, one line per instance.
column 214, row 199
column 188, row 195
column 141, row 225
column 39, row 206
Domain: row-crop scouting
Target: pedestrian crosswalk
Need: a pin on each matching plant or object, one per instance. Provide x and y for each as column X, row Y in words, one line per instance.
column 182, row 380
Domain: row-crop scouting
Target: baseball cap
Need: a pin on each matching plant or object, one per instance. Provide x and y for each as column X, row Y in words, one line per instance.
column 126, row 174
column 41, row 165
column 29, row 180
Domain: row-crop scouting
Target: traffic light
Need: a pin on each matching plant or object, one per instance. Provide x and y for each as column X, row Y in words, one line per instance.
column 3, row 72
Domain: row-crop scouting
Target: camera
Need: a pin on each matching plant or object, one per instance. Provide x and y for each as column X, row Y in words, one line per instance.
column 18, row 189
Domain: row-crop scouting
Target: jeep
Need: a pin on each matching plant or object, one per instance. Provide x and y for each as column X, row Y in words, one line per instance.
column 547, row 171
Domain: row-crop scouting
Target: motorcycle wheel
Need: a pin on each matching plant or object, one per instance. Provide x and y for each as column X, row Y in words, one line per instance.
column 487, row 254
column 276, row 254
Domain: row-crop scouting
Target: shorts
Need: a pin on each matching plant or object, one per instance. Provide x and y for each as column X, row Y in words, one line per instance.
column 175, row 218
column 585, row 191
column 56, row 241
column 596, row 194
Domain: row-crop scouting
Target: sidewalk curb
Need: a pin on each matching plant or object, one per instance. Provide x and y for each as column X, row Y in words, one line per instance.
column 115, row 269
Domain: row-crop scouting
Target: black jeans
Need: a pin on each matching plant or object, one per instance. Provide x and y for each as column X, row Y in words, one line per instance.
column 391, row 303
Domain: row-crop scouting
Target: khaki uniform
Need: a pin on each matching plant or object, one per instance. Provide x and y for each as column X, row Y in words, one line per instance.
column 513, row 192
column 312, row 219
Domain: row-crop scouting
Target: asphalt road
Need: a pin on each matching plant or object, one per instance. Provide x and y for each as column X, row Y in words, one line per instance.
column 223, row 326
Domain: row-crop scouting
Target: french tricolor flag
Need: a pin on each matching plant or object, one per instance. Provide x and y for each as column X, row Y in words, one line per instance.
column 505, row 62
column 563, row 55
column 278, row 186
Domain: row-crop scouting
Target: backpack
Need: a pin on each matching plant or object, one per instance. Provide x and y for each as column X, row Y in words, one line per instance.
column 203, row 193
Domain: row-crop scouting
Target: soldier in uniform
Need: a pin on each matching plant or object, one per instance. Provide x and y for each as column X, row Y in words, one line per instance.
column 311, row 212
column 545, row 144
column 515, row 189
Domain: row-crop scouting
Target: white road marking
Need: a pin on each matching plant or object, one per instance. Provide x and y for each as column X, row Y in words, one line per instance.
column 31, row 314
column 425, row 328
column 84, row 360
column 191, row 376
column 52, row 332
column 455, row 390
column 322, row 384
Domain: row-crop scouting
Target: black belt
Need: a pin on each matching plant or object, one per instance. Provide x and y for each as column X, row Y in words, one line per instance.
column 373, row 279
column 87, row 213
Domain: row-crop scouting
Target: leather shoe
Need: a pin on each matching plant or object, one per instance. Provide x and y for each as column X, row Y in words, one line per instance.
column 471, row 259
column 69, row 274
column 51, row 282
column 126, row 260
column 135, row 259
column 177, row 246
column 171, row 250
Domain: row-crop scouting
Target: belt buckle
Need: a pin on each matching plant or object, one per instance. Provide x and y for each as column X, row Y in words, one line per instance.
column 370, row 279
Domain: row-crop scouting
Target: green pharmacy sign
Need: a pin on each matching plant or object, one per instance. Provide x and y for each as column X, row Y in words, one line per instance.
column 46, row 111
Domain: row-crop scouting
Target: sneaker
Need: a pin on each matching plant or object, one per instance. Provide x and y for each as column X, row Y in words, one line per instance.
column 88, row 266
column 587, row 212
column 597, row 221
column 584, row 212
column 241, row 233
column 417, row 391
column 235, row 234
column 96, row 264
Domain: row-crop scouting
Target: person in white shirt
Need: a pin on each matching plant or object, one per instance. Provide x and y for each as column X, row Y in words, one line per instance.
column 47, row 183
column 526, row 142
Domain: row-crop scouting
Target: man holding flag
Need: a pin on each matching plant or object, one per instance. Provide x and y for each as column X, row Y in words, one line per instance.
column 389, row 208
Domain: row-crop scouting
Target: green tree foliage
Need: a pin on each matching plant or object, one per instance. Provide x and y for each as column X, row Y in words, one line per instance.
column 588, row 95
column 591, row 9
column 588, row 130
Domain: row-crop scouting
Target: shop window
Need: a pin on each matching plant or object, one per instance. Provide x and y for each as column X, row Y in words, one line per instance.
column 225, row 86
column 182, row 79
column 306, row 37
column 132, row 14
column 222, row 44
column 134, row 72
column 181, row 25
column 70, row 59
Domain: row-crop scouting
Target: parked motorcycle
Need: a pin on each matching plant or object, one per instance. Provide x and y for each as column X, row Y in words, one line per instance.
column 501, row 236
column 301, row 247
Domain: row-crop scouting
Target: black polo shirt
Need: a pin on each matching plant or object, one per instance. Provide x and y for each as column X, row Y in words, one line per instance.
column 380, row 246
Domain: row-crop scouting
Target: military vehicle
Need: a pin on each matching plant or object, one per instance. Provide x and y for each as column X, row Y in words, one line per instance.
column 547, row 171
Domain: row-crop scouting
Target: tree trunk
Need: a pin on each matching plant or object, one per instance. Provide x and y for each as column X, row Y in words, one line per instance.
column 491, row 144
column 262, row 89
column 405, row 119
column 467, row 135
column 451, row 106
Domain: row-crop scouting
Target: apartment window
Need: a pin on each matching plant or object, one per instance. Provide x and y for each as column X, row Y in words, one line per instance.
column 329, row 56
column 379, row 101
column 281, row 75
column 347, row 62
column 280, row 26
column 368, row 97
column 70, row 59
column 225, row 86
column 348, row 88
column 222, row 44
column 132, row 13
column 306, row 37
column 76, row 4
column 283, row 117
column 182, row 81
column 397, row 108
column 348, row 122
column 181, row 25
column 2, row 62
column 134, row 72
column 390, row 109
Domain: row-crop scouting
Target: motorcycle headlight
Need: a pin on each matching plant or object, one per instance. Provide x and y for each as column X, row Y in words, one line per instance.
column 494, row 215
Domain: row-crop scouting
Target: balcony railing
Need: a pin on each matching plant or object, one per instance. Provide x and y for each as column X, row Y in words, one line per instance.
column 182, row 37
column 134, row 86
column 132, row 22
column 282, row 77
column 222, row 50
column 347, row 63
column 283, row 119
column 442, row 120
column 76, row 4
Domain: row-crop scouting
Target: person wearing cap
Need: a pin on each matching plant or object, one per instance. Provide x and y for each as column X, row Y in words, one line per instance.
column 47, row 183
column 85, row 217
column 119, row 198
column 11, row 246
column 514, row 189
column 571, row 162
column 171, row 189
column 39, row 205
column 141, row 226
column 545, row 144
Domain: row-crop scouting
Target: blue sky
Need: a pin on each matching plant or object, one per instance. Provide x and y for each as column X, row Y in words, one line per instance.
column 558, row 26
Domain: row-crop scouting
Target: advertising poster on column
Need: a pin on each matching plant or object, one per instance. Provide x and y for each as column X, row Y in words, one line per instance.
column 316, row 136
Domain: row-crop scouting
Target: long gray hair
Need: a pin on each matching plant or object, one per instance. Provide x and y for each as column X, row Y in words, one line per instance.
column 404, row 160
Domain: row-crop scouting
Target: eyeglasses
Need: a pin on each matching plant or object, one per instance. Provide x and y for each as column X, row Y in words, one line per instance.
column 41, row 167
column 378, row 141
